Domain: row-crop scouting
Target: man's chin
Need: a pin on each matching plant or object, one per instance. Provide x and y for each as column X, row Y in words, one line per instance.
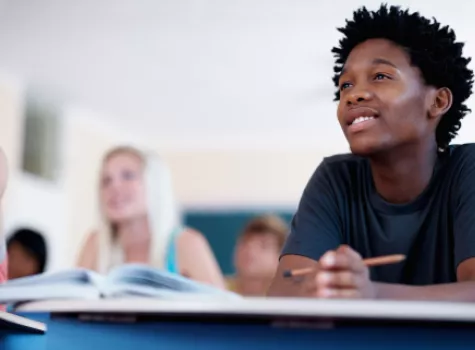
column 364, row 149
column 359, row 151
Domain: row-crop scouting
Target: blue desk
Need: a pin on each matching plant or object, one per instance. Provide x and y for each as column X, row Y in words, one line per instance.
column 202, row 332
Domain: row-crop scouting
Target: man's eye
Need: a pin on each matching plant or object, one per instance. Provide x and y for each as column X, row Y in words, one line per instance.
column 380, row 76
column 344, row 86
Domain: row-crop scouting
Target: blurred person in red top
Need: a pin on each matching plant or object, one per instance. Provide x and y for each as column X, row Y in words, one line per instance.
column 3, row 253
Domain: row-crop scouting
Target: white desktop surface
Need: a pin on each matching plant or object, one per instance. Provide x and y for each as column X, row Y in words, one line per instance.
column 360, row 309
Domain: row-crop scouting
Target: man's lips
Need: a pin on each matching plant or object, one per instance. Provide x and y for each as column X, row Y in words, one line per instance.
column 356, row 114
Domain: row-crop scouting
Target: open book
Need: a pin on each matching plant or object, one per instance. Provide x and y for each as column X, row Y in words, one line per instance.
column 124, row 281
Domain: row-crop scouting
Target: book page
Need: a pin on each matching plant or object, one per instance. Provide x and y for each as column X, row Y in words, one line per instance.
column 141, row 280
column 77, row 283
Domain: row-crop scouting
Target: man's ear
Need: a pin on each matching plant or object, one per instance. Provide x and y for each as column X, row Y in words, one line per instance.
column 441, row 99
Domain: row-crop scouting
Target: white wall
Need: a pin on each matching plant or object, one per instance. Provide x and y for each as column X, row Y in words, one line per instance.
column 11, row 116
column 29, row 201
column 43, row 206
column 196, row 73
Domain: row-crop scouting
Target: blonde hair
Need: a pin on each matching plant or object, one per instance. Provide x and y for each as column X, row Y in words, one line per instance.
column 162, row 211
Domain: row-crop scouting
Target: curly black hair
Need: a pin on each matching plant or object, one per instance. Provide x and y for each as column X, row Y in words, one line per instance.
column 431, row 47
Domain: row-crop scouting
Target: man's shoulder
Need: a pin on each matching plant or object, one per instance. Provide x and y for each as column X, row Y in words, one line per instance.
column 462, row 151
column 340, row 171
column 460, row 159
column 456, row 167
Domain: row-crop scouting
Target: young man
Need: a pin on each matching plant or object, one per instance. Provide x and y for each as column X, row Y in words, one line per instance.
column 27, row 253
column 402, row 84
column 257, row 254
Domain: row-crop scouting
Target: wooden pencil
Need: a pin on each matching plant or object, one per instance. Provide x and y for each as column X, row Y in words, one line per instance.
column 381, row 260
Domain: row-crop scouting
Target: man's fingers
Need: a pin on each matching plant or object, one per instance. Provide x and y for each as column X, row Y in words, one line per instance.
column 329, row 293
column 344, row 258
column 337, row 279
column 346, row 250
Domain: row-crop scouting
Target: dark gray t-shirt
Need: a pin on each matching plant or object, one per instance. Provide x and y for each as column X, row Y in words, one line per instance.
column 436, row 231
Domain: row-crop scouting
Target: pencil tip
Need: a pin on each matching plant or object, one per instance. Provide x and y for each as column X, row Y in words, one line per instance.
column 287, row 273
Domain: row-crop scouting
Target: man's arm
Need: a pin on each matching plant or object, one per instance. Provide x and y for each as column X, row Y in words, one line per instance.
column 315, row 229
column 462, row 290
column 341, row 273
column 287, row 287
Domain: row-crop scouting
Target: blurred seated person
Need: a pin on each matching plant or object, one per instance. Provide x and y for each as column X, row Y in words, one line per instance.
column 3, row 253
column 27, row 253
column 141, row 221
column 257, row 255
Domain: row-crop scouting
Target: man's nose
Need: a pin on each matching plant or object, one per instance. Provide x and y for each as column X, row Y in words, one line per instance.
column 358, row 95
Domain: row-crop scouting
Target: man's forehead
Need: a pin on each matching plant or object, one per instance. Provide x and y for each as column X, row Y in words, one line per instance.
column 374, row 49
column 376, row 61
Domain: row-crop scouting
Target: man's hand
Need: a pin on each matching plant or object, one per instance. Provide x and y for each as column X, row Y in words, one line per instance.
column 343, row 274
column 339, row 273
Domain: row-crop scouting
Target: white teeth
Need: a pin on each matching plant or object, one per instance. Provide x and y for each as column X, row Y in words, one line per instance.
column 362, row 119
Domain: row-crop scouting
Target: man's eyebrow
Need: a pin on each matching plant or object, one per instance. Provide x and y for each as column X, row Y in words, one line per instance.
column 342, row 72
column 375, row 62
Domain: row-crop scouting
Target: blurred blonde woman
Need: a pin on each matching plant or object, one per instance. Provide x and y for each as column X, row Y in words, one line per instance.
column 141, row 221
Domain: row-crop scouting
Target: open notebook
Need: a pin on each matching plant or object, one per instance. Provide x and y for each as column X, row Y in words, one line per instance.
column 127, row 280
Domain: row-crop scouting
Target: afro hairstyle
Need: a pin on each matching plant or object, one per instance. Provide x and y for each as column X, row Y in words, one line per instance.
column 431, row 47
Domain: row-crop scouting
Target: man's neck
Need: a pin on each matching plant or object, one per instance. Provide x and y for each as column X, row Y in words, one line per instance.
column 402, row 176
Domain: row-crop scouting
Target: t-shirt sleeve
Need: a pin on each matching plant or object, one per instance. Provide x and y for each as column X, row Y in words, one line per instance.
column 316, row 226
column 464, row 209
